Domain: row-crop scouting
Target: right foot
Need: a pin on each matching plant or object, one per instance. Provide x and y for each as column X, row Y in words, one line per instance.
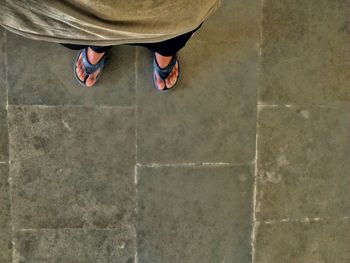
column 163, row 62
column 93, row 58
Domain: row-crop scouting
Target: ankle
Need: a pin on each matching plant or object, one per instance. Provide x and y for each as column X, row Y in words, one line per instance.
column 163, row 61
column 93, row 56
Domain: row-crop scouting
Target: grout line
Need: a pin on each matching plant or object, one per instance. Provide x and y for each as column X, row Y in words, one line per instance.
column 262, row 105
column 255, row 222
column 75, row 106
column 303, row 220
column 136, row 213
column 286, row 220
column 136, row 259
column 136, row 106
column 6, row 71
column 157, row 165
column 72, row 229
column 135, row 175
column 11, row 215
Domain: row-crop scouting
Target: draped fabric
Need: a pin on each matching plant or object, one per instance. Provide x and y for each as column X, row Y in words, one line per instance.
column 104, row 22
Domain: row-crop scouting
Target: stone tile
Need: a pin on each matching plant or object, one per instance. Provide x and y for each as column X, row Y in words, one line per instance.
column 3, row 99
column 210, row 117
column 5, row 217
column 237, row 20
column 3, row 92
column 194, row 214
column 303, row 242
column 3, row 136
column 72, row 167
column 303, row 162
column 306, row 52
column 74, row 246
column 42, row 73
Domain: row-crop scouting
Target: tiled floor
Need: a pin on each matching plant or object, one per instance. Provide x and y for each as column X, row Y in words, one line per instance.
column 247, row 160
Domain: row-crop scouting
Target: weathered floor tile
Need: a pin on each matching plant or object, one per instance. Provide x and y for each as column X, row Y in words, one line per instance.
column 3, row 95
column 3, row 98
column 42, row 73
column 306, row 50
column 74, row 246
column 303, row 242
column 5, row 217
column 3, row 136
column 194, row 214
column 210, row 116
column 303, row 162
column 72, row 167
column 237, row 20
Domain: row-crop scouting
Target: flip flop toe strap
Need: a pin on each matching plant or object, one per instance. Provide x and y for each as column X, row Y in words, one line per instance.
column 164, row 72
column 88, row 67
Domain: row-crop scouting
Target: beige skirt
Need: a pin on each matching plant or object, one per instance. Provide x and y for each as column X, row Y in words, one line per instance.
column 104, row 22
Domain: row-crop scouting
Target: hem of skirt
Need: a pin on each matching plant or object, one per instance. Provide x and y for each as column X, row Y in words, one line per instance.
column 109, row 42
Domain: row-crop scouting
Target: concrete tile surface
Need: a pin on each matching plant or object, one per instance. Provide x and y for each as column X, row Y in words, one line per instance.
column 234, row 21
column 3, row 63
column 74, row 246
column 3, row 136
column 194, row 214
column 303, row 162
column 42, row 73
column 3, row 98
column 210, row 117
column 3, row 68
column 72, row 167
column 306, row 52
column 5, row 216
column 306, row 242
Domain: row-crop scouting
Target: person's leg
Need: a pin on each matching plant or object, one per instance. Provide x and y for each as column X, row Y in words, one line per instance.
column 170, row 47
column 100, row 49
column 97, row 49
column 74, row 46
column 164, row 51
column 94, row 54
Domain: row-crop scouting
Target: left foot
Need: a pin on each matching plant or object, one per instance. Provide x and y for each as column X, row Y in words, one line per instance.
column 163, row 62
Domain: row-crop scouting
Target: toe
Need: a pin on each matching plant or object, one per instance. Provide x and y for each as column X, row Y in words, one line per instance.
column 81, row 73
column 91, row 80
column 160, row 82
column 80, row 63
column 81, row 76
column 81, row 68
column 80, row 60
column 171, row 80
column 168, row 81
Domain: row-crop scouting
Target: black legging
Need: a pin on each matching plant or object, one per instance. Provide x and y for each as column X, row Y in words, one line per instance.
column 165, row 48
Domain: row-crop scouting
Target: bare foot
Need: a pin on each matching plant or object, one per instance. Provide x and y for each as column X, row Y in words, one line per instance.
column 163, row 62
column 93, row 58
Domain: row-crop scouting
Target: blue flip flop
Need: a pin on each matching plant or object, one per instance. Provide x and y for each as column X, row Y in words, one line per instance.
column 88, row 67
column 165, row 72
